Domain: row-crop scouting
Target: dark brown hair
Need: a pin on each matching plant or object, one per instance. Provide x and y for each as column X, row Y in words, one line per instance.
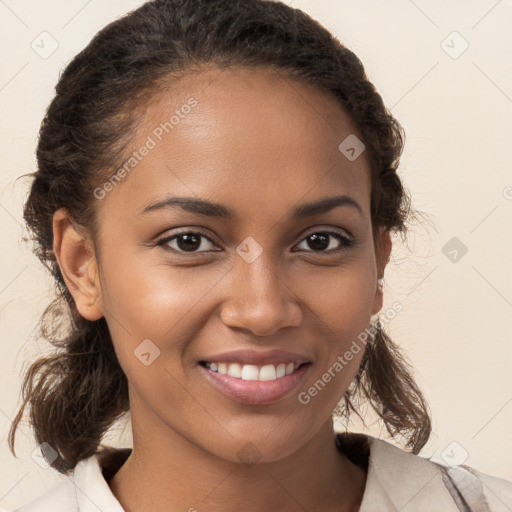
column 75, row 394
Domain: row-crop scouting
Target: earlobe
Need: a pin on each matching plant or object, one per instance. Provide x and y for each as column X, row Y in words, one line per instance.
column 75, row 255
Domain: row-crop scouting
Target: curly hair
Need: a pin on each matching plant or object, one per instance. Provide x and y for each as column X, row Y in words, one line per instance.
column 78, row 391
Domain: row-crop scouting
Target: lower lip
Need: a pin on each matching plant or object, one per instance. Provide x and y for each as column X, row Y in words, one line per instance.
column 256, row 392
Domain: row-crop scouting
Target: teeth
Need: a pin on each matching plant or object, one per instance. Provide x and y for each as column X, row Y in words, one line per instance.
column 234, row 370
column 249, row 372
column 253, row 372
column 268, row 372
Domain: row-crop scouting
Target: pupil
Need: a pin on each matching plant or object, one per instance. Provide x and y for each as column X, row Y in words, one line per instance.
column 190, row 247
column 319, row 241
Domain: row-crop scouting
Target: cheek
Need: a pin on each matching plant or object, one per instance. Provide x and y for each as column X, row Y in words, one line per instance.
column 153, row 313
column 343, row 312
column 343, row 299
column 154, row 300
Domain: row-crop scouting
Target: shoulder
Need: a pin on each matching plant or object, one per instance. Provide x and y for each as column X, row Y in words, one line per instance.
column 400, row 480
column 496, row 491
column 60, row 498
column 412, row 479
column 86, row 485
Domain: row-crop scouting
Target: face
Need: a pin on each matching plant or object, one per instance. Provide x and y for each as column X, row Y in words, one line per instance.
column 184, row 285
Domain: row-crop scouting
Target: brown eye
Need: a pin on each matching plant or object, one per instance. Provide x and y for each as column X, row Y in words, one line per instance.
column 322, row 240
column 188, row 242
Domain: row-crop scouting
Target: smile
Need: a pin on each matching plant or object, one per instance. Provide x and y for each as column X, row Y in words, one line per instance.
column 255, row 385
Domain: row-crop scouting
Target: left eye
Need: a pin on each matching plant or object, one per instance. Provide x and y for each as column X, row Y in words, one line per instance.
column 319, row 239
column 190, row 242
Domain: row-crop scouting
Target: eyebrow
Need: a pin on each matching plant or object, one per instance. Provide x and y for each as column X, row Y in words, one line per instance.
column 209, row 209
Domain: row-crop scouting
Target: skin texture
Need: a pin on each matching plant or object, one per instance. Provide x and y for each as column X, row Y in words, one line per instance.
column 260, row 144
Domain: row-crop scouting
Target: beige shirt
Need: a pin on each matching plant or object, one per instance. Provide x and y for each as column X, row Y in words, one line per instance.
column 397, row 481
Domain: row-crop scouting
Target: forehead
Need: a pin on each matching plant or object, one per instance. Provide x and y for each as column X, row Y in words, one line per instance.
column 245, row 135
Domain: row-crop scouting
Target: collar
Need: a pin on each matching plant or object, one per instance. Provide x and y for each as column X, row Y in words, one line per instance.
column 92, row 490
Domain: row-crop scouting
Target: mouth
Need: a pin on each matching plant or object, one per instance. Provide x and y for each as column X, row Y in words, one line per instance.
column 255, row 384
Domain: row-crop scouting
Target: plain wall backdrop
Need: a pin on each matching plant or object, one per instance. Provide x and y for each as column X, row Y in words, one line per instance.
column 444, row 70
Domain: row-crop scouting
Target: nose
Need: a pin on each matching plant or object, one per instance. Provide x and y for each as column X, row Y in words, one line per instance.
column 260, row 298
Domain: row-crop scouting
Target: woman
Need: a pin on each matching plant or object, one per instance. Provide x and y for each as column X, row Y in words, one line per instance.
column 215, row 197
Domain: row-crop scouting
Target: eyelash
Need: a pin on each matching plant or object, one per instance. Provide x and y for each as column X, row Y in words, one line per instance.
column 346, row 242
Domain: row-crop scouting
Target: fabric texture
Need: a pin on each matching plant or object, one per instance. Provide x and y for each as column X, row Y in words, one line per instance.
column 397, row 481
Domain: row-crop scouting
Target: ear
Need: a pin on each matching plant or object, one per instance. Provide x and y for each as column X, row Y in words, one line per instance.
column 383, row 248
column 75, row 255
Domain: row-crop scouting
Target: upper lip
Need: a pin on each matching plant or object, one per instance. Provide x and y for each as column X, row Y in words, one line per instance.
column 257, row 358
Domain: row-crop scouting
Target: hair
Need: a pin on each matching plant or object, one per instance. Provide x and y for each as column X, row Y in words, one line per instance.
column 77, row 392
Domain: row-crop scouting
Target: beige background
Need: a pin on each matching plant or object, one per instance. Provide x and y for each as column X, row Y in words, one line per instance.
column 457, row 316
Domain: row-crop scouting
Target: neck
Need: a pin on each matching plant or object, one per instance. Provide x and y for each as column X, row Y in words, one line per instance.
column 168, row 472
